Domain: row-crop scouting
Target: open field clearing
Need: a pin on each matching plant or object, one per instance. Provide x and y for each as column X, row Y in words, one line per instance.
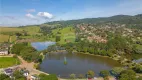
column 67, row 34
column 8, row 62
column 32, row 30
column 9, row 29
column 4, row 38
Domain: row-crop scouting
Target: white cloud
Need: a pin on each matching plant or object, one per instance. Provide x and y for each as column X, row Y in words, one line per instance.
column 45, row 15
column 30, row 16
column 30, row 10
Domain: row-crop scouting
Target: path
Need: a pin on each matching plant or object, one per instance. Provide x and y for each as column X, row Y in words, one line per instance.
column 30, row 67
column 10, row 55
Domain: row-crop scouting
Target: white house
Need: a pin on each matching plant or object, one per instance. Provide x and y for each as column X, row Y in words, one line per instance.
column 4, row 49
column 3, row 52
column 26, row 73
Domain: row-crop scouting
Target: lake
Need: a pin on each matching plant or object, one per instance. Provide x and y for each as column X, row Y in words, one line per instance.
column 42, row 45
column 77, row 63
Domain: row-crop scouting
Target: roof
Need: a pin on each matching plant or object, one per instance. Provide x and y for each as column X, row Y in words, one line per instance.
column 8, row 70
column 138, row 61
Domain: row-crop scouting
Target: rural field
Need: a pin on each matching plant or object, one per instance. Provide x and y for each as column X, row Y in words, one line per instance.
column 8, row 33
column 67, row 34
column 4, row 38
column 8, row 62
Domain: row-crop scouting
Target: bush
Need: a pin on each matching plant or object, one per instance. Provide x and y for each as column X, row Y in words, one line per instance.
column 104, row 73
column 72, row 76
column 81, row 76
column 90, row 74
column 127, row 75
column 15, row 56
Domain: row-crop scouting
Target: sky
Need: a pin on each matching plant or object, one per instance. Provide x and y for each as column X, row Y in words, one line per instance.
column 31, row 12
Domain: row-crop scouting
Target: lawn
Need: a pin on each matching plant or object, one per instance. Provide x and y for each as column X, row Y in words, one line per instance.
column 32, row 30
column 8, row 33
column 4, row 38
column 9, row 29
column 67, row 34
column 13, row 38
column 8, row 62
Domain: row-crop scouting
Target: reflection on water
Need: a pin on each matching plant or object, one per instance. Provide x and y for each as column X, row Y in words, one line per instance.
column 42, row 45
column 76, row 63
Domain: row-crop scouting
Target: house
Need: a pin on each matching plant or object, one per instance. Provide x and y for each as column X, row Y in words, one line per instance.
column 4, row 49
column 3, row 52
column 8, row 71
column 26, row 73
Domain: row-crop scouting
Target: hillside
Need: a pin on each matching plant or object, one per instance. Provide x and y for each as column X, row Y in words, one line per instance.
column 134, row 21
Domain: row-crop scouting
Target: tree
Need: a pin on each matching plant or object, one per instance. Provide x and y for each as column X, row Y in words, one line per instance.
column 127, row 75
column 58, row 38
column 138, row 68
column 18, row 34
column 72, row 76
column 18, row 75
column 104, row 73
column 4, row 77
column 90, row 74
column 116, row 71
column 16, row 48
column 81, row 76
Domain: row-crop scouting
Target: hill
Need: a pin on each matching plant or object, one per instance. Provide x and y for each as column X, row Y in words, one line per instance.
column 131, row 21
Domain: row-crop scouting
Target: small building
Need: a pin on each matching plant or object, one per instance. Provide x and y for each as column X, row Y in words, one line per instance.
column 3, row 52
column 4, row 49
column 26, row 73
column 8, row 71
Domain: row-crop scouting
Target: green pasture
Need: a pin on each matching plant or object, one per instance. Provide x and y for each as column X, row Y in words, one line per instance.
column 8, row 62
column 67, row 34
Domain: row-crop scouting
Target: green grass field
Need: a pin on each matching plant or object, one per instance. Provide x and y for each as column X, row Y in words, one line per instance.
column 8, row 62
column 4, row 38
column 32, row 30
column 12, row 38
column 10, row 29
column 8, row 33
column 67, row 34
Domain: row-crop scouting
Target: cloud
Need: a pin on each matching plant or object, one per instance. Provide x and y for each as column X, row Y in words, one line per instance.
column 45, row 15
column 30, row 10
column 30, row 16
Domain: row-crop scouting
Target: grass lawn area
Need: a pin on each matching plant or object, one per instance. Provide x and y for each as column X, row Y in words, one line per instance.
column 32, row 30
column 67, row 34
column 10, row 29
column 12, row 38
column 4, row 38
column 8, row 62
column 5, row 32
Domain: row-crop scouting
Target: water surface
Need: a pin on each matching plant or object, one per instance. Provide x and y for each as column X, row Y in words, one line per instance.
column 42, row 45
column 76, row 63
